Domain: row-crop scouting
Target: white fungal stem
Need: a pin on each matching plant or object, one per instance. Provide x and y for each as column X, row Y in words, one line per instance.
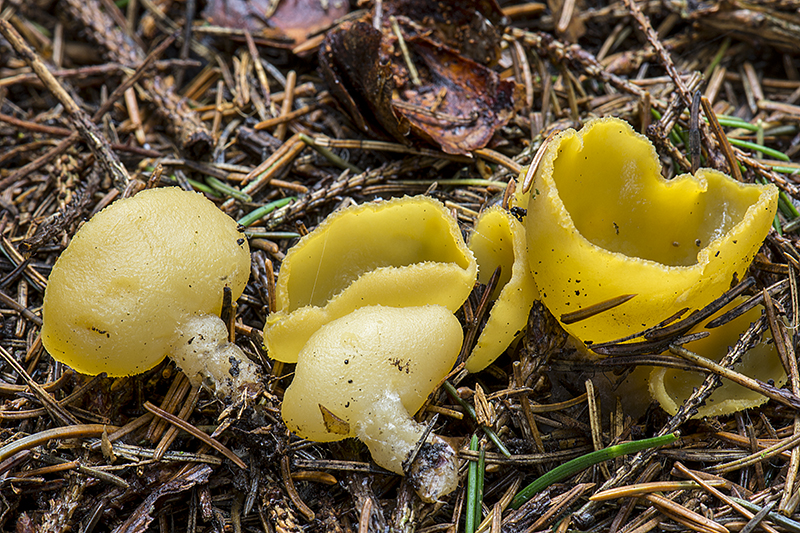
column 207, row 358
column 391, row 436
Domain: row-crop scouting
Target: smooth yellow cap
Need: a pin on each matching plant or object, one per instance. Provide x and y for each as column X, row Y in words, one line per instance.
column 133, row 274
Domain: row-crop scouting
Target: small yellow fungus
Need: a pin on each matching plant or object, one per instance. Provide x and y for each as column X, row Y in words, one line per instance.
column 144, row 278
column 671, row 387
column 602, row 222
column 499, row 240
column 364, row 375
column 403, row 252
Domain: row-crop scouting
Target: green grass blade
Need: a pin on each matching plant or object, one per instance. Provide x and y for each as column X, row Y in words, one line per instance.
column 578, row 464
column 472, row 490
column 254, row 216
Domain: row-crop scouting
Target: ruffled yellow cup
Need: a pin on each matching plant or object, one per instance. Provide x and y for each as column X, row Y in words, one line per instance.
column 499, row 240
column 405, row 252
column 602, row 223
column 671, row 387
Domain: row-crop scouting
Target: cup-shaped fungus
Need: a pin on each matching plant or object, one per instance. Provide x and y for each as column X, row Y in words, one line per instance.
column 499, row 241
column 403, row 252
column 144, row 278
column 671, row 387
column 602, row 223
column 365, row 374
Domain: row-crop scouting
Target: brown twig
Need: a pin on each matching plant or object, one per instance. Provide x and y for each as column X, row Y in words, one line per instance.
column 86, row 128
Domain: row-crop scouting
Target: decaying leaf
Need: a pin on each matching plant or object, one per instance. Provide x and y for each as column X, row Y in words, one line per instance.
column 460, row 103
column 454, row 99
column 296, row 20
column 360, row 77
column 474, row 32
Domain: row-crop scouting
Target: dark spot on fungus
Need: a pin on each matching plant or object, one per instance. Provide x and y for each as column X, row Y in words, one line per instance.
column 234, row 369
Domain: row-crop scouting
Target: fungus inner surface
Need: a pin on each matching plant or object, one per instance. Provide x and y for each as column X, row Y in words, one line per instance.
column 369, row 239
column 664, row 221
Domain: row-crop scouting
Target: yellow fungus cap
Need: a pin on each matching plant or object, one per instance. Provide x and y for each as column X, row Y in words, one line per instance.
column 499, row 240
column 354, row 360
column 671, row 387
column 403, row 252
column 602, row 222
column 365, row 374
column 133, row 274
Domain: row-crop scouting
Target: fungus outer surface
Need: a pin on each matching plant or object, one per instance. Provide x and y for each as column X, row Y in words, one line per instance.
column 671, row 387
column 499, row 240
column 403, row 252
column 371, row 371
column 133, row 273
column 602, row 222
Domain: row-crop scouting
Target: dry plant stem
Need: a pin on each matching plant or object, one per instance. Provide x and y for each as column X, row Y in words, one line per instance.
column 61, row 415
column 363, row 520
column 709, row 487
column 193, row 136
column 264, row 172
column 385, row 146
column 741, row 440
column 89, row 471
column 172, row 433
column 522, row 69
column 666, row 61
column 283, row 118
column 128, row 428
column 286, row 474
column 42, row 437
column 22, row 310
column 496, row 157
column 341, row 186
column 260, row 74
column 595, row 423
column 83, row 389
column 685, row 516
column 286, row 105
column 558, row 504
column 639, row 489
column 64, row 145
column 11, row 389
column 722, row 139
column 626, row 508
column 785, row 347
column 762, row 455
column 177, row 390
column 196, row 433
column 546, row 45
column 786, row 398
column 38, row 279
column 90, row 133
column 685, row 412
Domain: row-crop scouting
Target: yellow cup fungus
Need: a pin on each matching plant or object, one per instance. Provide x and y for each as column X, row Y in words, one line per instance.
column 363, row 375
column 499, row 241
column 144, row 278
column 602, row 222
column 402, row 252
column 671, row 387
